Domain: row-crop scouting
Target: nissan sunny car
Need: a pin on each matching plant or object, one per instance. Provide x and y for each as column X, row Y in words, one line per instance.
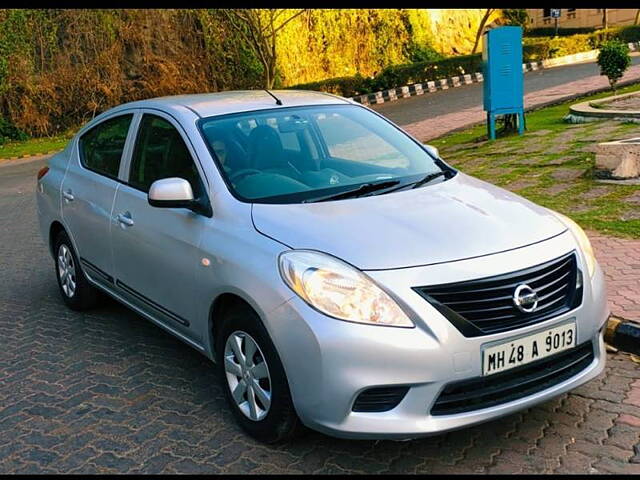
column 339, row 273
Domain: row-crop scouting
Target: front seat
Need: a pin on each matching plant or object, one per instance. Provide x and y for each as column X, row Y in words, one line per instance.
column 267, row 154
column 236, row 155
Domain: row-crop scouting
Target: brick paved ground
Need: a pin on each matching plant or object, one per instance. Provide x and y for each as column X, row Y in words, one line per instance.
column 107, row 391
column 620, row 260
column 428, row 129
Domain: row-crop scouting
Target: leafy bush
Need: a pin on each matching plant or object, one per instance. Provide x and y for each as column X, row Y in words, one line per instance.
column 420, row 72
column 9, row 131
column 398, row 76
column 613, row 60
column 624, row 34
column 562, row 32
column 533, row 52
column 343, row 86
column 539, row 48
column 423, row 53
column 516, row 16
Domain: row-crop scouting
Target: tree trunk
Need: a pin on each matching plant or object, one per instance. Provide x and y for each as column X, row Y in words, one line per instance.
column 268, row 81
column 604, row 18
column 635, row 21
column 481, row 28
column 269, row 77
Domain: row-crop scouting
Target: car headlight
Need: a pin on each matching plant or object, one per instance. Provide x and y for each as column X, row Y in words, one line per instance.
column 582, row 239
column 338, row 289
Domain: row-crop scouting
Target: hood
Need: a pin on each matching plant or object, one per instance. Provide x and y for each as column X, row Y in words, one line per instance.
column 452, row 220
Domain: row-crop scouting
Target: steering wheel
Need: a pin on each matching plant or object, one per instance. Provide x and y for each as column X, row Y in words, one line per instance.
column 243, row 173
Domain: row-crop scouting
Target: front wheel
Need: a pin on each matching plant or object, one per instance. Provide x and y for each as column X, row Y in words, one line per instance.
column 254, row 380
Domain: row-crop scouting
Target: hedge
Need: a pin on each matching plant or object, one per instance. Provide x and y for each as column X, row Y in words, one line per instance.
column 397, row 76
column 533, row 49
column 627, row 34
column 541, row 48
column 562, row 32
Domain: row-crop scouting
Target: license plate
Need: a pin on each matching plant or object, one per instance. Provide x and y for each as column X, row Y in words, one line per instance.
column 519, row 351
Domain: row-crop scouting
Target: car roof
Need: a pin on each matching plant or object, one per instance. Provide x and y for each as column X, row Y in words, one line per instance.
column 221, row 103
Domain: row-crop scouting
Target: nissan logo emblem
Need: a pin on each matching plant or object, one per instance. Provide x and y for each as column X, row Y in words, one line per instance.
column 525, row 298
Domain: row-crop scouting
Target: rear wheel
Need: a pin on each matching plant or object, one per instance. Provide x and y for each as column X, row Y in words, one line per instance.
column 255, row 383
column 75, row 289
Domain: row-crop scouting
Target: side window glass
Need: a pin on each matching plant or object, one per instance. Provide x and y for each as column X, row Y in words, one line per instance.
column 159, row 153
column 101, row 147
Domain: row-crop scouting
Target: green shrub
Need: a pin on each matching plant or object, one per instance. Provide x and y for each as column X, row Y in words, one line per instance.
column 534, row 52
column 398, row 76
column 542, row 48
column 423, row 53
column 420, row 72
column 344, row 86
column 613, row 60
column 627, row 34
column 562, row 32
column 9, row 131
column 516, row 16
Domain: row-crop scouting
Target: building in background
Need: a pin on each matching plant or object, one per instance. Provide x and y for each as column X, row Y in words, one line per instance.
column 581, row 17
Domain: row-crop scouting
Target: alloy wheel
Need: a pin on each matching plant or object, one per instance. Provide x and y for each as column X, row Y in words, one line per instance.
column 66, row 271
column 247, row 375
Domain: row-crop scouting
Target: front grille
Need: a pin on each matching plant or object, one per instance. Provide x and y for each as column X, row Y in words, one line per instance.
column 379, row 399
column 485, row 306
column 520, row 382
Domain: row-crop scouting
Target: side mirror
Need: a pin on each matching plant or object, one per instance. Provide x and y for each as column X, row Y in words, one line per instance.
column 171, row 192
column 433, row 151
column 176, row 192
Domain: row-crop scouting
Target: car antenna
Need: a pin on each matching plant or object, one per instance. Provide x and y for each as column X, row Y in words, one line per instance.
column 278, row 102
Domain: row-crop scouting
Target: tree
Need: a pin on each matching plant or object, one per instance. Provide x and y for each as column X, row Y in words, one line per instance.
column 635, row 21
column 483, row 22
column 613, row 60
column 259, row 29
column 605, row 20
column 516, row 16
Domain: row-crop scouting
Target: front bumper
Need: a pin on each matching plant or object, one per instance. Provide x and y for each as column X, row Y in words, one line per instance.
column 329, row 362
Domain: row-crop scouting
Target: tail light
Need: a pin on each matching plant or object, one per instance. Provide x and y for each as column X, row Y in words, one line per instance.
column 42, row 172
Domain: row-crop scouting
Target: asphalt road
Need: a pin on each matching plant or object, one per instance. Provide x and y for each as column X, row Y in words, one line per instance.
column 442, row 102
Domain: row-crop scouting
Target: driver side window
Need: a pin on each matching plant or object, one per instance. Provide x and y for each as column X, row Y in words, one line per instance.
column 160, row 152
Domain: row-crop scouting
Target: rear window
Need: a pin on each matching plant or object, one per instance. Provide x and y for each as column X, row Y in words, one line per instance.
column 101, row 147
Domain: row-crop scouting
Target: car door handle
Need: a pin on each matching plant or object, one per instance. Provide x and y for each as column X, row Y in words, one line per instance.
column 125, row 219
column 68, row 196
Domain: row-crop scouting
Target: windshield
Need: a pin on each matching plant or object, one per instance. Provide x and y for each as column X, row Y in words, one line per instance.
column 300, row 154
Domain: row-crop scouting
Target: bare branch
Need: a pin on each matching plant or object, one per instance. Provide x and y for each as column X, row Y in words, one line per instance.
column 289, row 19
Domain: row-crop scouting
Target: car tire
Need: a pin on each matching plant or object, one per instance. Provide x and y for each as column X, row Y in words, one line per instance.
column 277, row 423
column 74, row 287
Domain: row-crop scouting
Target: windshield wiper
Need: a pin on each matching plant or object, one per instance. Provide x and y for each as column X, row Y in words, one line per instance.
column 422, row 181
column 428, row 178
column 356, row 192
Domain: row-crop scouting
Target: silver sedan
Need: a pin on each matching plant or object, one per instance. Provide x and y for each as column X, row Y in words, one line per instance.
column 340, row 274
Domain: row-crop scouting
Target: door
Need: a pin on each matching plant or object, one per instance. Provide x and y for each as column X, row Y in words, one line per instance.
column 88, row 191
column 156, row 250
